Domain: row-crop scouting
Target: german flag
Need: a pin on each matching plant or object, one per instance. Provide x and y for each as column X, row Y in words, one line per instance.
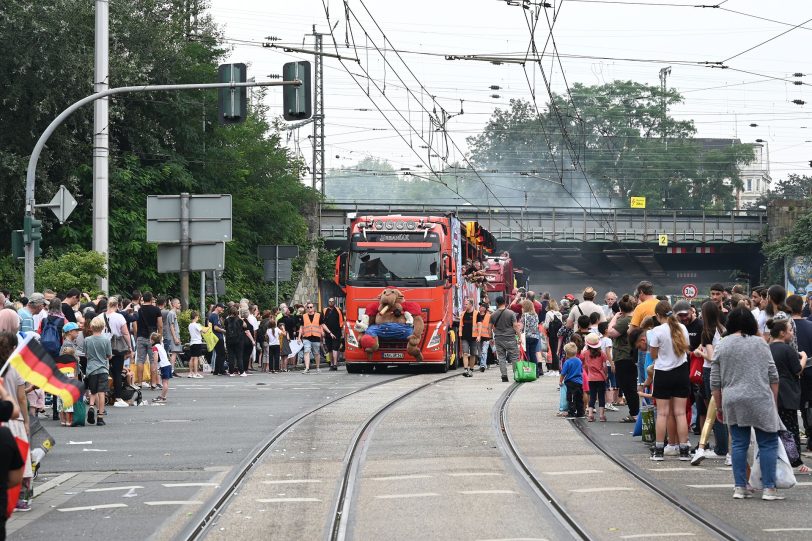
column 67, row 365
column 37, row 367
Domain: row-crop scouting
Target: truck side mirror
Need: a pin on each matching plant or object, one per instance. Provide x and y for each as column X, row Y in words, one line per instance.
column 448, row 270
column 341, row 270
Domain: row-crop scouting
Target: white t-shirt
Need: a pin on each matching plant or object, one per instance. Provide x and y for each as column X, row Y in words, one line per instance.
column 116, row 322
column 273, row 336
column 585, row 308
column 253, row 321
column 163, row 358
column 195, row 336
column 660, row 337
column 761, row 319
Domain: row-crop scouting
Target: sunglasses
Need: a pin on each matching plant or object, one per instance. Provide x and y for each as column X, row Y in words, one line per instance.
column 310, row 307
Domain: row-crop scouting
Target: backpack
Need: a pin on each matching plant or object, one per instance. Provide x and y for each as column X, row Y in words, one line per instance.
column 554, row 326
column 233, row 328
column 51, row 338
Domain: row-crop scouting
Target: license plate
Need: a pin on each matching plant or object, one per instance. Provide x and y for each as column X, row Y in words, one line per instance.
column 393, row 355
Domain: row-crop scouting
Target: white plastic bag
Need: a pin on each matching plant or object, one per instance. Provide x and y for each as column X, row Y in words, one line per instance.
column 784, row 476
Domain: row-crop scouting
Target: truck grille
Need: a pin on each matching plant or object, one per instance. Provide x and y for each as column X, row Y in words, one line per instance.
column 392, row 344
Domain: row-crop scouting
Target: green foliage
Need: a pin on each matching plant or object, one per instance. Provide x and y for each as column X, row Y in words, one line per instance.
column 80, row 269
column 792, row 187
column 798, row 242
column 184, row 318
column 11, row 274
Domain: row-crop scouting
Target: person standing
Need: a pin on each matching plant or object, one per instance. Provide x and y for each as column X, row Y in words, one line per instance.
column 171, row 330
column 803, row 335
column 468, row 344
column 218, row 328
column 717, row 297
column 149, row 321
column 117, row 327
column 235, row 335
column 585, row 308
column 505, row 329
column 625, row 365
column 646, row 301
column 553, row 321
column 483, row 335
column 334, row 320
column 29, row 312
column 273, row 344
column 744, row 380
column 196, row 346
column 530, row 325
column 572, row 376
column 71, row 300
column 312, row 332
column 99, row 352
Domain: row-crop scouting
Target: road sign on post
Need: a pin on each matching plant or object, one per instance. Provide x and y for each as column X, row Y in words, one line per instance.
column 276, row 263
column 278, row 251
column 62, row 204
column 211, row 256
column 689, row 291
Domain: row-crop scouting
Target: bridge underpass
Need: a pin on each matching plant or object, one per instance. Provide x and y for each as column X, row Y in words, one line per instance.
column 564, row 250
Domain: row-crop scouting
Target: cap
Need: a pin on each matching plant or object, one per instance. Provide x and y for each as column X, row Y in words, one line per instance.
column 681, row 307
column 220, row 305
column 569, row 297
column 593, row 340
column 71, row 326
column 36, row 299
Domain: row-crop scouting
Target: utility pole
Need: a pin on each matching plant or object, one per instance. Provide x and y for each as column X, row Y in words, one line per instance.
column 318, row 113
column 101, row 132
column 664, row 73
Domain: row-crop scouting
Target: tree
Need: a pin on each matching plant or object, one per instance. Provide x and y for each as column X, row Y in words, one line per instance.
column 610, row 142
column 79, row 269
column 793, row 187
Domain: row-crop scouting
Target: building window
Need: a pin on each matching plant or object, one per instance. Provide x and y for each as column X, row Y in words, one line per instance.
column 749, row 185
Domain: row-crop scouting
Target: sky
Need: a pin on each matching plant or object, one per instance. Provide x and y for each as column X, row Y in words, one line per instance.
column 598, row 41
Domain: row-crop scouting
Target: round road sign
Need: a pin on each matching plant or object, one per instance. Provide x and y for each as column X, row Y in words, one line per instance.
column 689, row 291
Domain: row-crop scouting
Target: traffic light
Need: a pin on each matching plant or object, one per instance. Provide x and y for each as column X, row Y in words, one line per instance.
column 297, row 103
column 233, row 102
column 17, row 245
column 32, row 230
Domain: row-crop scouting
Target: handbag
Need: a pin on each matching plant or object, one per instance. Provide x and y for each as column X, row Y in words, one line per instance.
column 118, row 343
column 695, row 374
column 209, row 338
column 524, row 371
column 788, row 441
column 784, row 476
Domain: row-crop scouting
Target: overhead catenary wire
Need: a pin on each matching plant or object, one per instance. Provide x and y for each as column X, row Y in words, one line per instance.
column 756, row 46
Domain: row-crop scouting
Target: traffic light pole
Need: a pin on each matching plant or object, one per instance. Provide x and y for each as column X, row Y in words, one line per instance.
column 30, row 177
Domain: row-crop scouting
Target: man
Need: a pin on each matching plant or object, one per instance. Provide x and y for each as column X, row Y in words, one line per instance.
column 71, row 299
column 807, row 311
column 609, row 302
column 537, row 306
column 312, row 331
column 149, row 321
column 717, row 296
column 219, row 330
column 505, row 328
column 334, row 320
column 516, row 304
column 646, row 301
column 585, row 308
column 468, row 343
column 687, row 316
column 171, row 332
column 5, row 301
column 28, row 314
column 803, row 333
column 483, row 335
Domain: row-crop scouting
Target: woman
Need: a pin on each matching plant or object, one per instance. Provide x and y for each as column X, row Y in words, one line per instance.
column 744, row 380
column 235, row 335
column 117, row 326
column 668, row 346
column 625, row 366
column 196, row 347
column 262, row 340
column 789, row 364
column 530, row 324
column 776, row 303
column 555, row 318
column 712, row 331
column 284, row 346
column 248, row 343
column 272, row 337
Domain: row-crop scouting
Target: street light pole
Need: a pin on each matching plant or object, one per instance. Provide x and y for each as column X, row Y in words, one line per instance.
column 101, row 135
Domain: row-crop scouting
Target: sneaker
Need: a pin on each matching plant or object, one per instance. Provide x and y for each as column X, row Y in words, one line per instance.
column 505, row 379
column 771, row 494
column 741, row 493
column 333, row 368
column 684, row 453
column 481, row 368
column 318, row 370
column 306, row 371
column 232, row 375
column 611, row 407
column 657, row 454
column 100, row 422
column 159, row 399
column 671, row 450
column 710, row 453
column 91, row 415
column 243, row 375
column 698, row 457
column 22, row 506
column 467, row 374
column 144, row 385
column 120, row 404
column 728, row 460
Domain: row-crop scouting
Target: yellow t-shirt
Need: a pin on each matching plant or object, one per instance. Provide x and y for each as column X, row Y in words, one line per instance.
column 643, row 310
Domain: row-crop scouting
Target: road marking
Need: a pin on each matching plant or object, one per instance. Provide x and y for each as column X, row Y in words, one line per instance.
column 288, row 500
column 290, row 481
column 710, row 486
column 573, row 472
column 647, row 535
column 80, row 442
column 601, row 489
column 175, row 502
column 695, row 468
column 92, row 507
column 402, row 496
column 176, row 485
column 788, row 529
column 516, row 539
column 96, row 450
column 474, row 474
column 175, row 421
column 399, row 477
column 110, row 489
column 486, row 492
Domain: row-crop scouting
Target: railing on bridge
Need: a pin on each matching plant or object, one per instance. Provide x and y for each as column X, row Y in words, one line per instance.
column 592, row 225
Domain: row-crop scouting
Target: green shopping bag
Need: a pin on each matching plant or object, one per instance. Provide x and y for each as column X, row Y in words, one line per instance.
column 524, row 371
column 79, row 412
column 648, row 416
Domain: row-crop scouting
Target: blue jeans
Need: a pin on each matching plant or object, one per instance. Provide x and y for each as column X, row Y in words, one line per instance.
column 767, row 454
column 483, row 354
column 641, row 367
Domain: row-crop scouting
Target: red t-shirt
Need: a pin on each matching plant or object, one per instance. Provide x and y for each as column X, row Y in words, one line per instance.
column 595, row 366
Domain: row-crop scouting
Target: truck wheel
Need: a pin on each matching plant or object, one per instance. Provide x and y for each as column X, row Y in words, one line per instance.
column 353, row 368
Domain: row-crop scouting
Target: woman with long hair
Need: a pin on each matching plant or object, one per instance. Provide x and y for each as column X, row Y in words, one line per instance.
column 776, row 304
column 744, row 380
column 668, row 346
column 530, row 324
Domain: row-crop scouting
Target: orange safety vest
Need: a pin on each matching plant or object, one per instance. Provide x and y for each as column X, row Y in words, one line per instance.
column 483, row 330
column 312, row 327
column 474, row 326
column 340, row 316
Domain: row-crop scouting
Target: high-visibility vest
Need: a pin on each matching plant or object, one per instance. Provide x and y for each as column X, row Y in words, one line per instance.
column 474, row 325
column 312, row 327
column 340, row 316
column 483, row 330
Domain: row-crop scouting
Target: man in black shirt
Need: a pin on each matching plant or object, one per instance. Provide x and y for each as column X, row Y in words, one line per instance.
column 70, row 300
column 149, row 321
column 469, row 345
column 687, row 316
column 334, row 320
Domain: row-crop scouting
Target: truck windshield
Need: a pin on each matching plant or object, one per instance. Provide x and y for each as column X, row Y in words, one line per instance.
column 389, row 266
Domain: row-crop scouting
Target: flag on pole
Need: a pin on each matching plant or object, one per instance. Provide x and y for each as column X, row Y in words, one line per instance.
column 36, row 366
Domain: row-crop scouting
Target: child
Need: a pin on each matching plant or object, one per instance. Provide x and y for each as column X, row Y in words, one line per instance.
column 99, row 352
column 606, row 347
column 160, row 357
column 196, row 346
column 68, row 363
column 595, row 361
column 36, row 400
column 572, row 377
column 594, row 318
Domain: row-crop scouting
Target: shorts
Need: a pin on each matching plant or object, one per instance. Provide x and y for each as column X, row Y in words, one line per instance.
column 469, row 347
column 98, row 382
column 332, row 344
column 311, row 346
column 197, row 350
column 143, row 350
column 674, row 383
column 166, row 372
